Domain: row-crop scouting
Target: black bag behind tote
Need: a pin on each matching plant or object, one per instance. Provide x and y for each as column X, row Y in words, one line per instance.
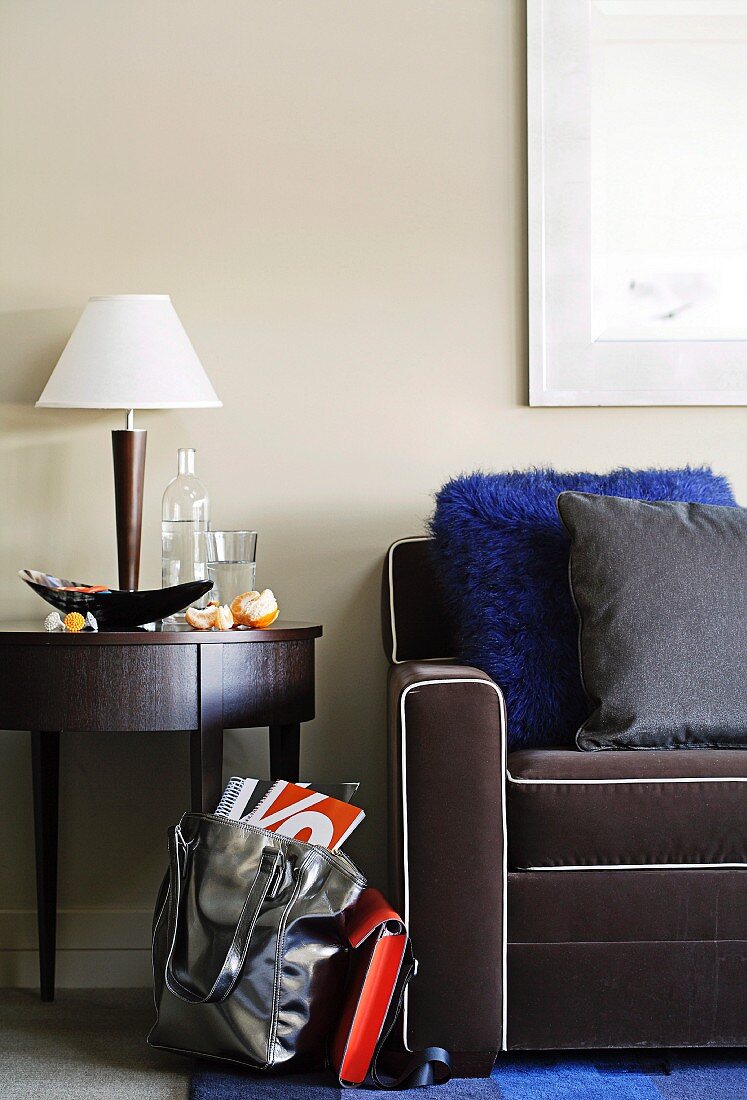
column 250, row 954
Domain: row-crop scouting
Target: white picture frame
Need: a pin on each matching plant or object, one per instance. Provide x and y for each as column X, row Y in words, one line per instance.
column 570, row 363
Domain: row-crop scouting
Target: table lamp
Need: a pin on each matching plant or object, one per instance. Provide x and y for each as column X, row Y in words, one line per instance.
column 129, row 351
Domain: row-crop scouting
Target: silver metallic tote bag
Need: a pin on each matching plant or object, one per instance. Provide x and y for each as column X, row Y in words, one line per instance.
column 250, row 955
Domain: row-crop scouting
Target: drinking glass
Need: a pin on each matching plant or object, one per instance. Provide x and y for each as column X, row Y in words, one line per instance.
column 231, row 563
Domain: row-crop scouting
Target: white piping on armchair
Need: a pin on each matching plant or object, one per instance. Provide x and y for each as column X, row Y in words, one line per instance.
column 392, row 617
column 504, row 862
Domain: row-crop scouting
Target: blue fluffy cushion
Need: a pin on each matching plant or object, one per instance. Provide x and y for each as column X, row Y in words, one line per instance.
column 501, row 555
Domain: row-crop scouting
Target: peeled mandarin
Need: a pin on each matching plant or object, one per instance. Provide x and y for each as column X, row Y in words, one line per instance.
column 266, row 620
column 223, row 618
column 256, row 609
column 238, row 603
column 201, row 618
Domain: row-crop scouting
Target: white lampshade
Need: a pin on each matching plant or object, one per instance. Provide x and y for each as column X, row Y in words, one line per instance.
column 129, row 351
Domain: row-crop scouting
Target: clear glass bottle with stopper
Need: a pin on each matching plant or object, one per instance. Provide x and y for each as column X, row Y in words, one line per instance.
column 185, row 517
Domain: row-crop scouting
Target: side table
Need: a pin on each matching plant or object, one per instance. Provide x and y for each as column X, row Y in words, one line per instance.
column 148, row 680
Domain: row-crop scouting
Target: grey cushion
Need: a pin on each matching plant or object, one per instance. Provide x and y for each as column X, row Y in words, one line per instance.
column 661, row 595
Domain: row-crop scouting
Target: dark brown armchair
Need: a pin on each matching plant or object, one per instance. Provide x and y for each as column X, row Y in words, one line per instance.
column 556, row 899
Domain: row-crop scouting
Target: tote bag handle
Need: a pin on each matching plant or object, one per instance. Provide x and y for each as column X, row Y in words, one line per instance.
column 265, row 884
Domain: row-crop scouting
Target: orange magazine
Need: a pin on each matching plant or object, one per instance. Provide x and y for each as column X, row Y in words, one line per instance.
column 304, row 814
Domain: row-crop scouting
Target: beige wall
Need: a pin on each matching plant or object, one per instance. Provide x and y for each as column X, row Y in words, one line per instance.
column 333, row 194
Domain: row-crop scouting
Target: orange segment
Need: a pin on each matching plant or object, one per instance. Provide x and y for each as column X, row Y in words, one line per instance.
column 223, row 618
column 201, row 618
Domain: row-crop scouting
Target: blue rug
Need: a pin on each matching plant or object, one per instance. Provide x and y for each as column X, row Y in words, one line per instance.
column 701, row 1075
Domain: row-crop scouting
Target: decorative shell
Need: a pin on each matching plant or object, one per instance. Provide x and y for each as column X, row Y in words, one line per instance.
column 255, row 609
column 91, row 622
column 74, row 622
column 53, row 622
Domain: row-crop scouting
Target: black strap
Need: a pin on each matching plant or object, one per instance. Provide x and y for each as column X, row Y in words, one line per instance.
column 414, row 1069
column 270, row 865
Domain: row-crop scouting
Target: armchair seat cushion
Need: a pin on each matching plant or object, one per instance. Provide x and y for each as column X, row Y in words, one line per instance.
column 615, row 809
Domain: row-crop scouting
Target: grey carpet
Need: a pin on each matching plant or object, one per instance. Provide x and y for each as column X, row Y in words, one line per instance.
column 89, row 1043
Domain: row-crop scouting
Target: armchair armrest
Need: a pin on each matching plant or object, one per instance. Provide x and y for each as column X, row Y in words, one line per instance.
column 448, row 853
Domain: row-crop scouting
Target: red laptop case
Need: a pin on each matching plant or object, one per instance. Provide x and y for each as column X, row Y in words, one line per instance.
column 383, row 964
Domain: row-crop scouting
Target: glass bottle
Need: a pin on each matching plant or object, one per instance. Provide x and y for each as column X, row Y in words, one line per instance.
column 185, row 516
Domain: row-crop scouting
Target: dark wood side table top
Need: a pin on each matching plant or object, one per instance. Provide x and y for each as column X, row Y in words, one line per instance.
column 121, row 681
column 32, row 632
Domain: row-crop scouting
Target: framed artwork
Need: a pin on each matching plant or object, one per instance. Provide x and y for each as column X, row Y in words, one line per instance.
column 637, row 157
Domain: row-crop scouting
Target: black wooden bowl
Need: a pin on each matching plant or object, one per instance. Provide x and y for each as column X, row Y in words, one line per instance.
column 113, row 607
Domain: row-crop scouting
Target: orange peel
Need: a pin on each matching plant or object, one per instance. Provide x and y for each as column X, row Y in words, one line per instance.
column 255, row 609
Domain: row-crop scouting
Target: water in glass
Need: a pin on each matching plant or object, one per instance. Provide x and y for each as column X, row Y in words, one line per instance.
column 230, row 579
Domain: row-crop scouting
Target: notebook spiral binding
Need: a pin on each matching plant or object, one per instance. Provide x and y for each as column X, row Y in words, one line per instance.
column 229, row 796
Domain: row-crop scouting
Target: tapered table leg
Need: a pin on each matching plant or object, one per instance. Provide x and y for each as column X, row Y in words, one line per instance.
column 45, row 764
column 285, row 752
column 206, row 747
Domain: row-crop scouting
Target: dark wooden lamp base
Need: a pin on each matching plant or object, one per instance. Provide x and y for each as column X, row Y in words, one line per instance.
column 128, row 447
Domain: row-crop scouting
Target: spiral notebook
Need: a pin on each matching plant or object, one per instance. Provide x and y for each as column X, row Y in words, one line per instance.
column 302, row 813
column 321, row 815
column 242, row 796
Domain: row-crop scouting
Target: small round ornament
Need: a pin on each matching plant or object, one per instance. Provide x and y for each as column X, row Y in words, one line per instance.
column 53, row 622
column 74, row 622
